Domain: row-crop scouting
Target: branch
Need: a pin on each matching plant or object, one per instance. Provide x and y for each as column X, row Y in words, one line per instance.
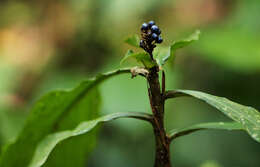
column 139, row 71
column 173, row 94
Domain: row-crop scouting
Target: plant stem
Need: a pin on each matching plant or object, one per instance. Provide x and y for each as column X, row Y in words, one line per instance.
column 162, row 155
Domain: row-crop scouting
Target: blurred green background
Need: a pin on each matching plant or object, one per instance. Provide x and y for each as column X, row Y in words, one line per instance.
column 45, row 45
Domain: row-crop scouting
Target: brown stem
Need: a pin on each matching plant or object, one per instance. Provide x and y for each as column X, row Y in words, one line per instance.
column 162, row 155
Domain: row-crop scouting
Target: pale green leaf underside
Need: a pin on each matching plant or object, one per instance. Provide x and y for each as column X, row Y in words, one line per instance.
column 169, row 52
column 160, row 54
column 46, row 117
column 45, row 147
column 141, row 57
column 133, row 40
column 205, row 126
column 248, row 117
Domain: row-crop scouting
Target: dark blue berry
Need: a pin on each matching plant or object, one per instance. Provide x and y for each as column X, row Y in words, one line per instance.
column 154, row 36
column 141, row 44
column 144, row 27
column 159, row 40
column 155, row 29
column 159, row 32
column 151, row 23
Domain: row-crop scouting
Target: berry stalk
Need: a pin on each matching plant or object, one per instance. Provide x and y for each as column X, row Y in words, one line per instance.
column 150, row 34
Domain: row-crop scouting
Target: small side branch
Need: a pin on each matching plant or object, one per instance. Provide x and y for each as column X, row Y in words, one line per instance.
column 163, row 82
column 173, row 94
column 175, row 135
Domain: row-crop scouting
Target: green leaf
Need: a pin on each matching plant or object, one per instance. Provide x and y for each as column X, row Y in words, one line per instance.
column 51, row 114
column 169, row 52
column 46, row 146
column 160, row 54
column 77, row 148
column 133, row 40
column 248, row 117
column 141, row 57
column 205, row 126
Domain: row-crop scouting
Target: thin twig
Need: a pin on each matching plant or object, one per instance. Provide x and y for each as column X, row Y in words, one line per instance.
column 173, row 94
column 163, row 82
column 183, row 133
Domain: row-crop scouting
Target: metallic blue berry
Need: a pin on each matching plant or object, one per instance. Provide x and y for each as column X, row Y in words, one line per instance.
column 141, row 44
column 144, row 27
column 151, row 23
column 154, row 36
column 155, row 29
column 159, row 40
column 159, row 32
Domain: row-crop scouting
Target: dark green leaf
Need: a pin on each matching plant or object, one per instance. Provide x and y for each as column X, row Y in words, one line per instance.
column 248, row 117
column 133, row 40
column 49, row 115
column 141, row 57
column 46, row 146
column 204, row 126
column 169, row 52
column 77, row 148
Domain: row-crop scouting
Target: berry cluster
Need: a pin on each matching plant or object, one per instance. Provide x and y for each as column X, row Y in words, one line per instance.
column 150, row 36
